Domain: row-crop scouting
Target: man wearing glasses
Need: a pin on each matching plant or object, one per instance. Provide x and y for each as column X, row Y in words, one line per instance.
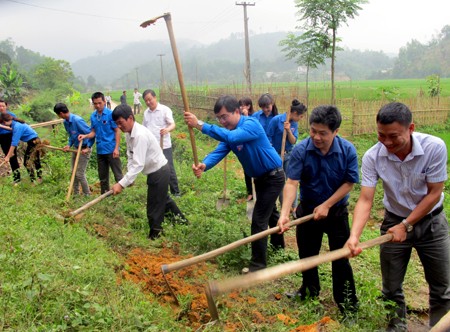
column 247, row 139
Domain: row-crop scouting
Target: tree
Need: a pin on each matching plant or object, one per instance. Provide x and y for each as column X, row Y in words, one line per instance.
column 308, row 49
column 323, row 18
column 11, row 84
column 53, row 74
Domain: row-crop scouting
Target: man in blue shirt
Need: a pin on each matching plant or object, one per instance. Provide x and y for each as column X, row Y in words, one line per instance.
column 75, row 126
column 326, row 166
column 5, row 143
column 246, row 138
column 107, row 136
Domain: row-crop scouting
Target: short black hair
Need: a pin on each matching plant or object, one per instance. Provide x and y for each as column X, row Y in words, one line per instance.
column 230, row 103
column 394, row 112
column 122, row 111
column 328, row 115
column 148, row 91
column 60, row 108
column 97, row 95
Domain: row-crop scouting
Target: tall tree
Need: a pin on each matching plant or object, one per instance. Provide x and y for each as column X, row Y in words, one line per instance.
column 308, row 49
column 324, row 17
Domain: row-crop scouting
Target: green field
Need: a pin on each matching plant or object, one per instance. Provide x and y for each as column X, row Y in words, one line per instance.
column 69, row 276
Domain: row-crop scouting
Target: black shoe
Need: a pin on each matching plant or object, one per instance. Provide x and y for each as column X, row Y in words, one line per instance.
column 302, row 294
column 397, row 325
column 154, row 234
column 295, row 295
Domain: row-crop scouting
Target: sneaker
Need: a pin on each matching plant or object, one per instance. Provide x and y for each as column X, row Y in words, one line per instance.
column 178, row 194
column 245, row 270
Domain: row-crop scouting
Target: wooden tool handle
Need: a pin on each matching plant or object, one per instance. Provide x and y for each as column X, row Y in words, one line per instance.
column 283, row 140
column 93, row 202
column 275, row 272
column 161, row 141
column 74, row 172
column 442, row 326
column 57, row 148
column 206, row 256
column 225, row 177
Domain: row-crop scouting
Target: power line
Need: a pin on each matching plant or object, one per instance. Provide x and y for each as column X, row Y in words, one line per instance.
column 73, row 12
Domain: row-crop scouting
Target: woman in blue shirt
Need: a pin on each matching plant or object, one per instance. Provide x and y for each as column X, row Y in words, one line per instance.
column 5, row 143
column 23, row 132
column 267, row 111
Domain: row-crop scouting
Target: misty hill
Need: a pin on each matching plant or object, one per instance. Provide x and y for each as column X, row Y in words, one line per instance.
column 221, row 62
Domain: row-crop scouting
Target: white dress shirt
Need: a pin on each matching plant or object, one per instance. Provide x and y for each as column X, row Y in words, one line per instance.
column 144, row 154
column 155, row 120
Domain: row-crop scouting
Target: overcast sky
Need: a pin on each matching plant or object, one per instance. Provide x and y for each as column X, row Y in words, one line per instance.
column 72, row 29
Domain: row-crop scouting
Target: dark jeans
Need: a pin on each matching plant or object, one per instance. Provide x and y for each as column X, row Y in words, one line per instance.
column 159, row 201
column 5, row 142
column 36, row 160
column 248, row 185
column 173, row 181
column 430, row 238
column 104, row 162
column 309, row 241
column 265, row 215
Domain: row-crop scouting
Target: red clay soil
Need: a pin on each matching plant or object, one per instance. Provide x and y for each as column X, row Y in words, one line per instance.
column 144, row 268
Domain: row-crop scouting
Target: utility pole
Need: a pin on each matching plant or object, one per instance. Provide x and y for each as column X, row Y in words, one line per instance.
column 137, row 78
column 247, row 72
column 162, row 72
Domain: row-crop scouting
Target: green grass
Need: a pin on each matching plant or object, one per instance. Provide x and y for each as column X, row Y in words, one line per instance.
column 63, row 277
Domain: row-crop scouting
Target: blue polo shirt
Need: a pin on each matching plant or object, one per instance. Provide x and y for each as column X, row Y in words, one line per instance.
column 249, row 143
column 5, row 131
column 75, row 126
column 275, row 131
column 21, row 132
column 263, row 119
column 104, row 131
column 320, row 176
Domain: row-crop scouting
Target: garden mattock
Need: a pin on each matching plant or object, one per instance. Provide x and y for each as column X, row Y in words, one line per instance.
column 166, row 268
column 74, row 172
column 89, row 204
column 214, row 288
column 57, row 148
column 168, row 19
column 283, row 140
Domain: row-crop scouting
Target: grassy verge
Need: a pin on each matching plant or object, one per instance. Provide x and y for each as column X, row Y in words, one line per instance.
column 68, row 276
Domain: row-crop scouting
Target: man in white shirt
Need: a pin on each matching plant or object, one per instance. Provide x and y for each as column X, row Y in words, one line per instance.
column 136, row 101
column 158, row 119
column 412, row 168
column 145, row 156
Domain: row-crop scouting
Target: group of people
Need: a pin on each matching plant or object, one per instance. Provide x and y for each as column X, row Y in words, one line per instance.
column 136, row 100
column 410, row 165
column 13, row 131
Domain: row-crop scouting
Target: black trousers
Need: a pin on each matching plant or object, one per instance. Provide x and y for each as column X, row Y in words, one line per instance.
column 104, row 162
column 159, row 201
column 309, row 241
column 248, row 184
column 265, row 215
column 5, row 143
column 173, row 180
column 36, row 162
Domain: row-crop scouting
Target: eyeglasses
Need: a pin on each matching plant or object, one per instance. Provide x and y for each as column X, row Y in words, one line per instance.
column 223, row 118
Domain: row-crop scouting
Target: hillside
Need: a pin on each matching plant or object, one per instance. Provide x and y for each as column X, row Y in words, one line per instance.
column 219, row 63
